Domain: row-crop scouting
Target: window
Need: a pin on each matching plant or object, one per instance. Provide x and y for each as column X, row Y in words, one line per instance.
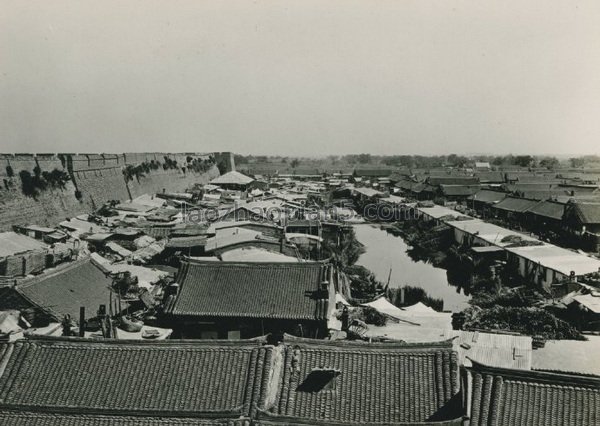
column 320, row 379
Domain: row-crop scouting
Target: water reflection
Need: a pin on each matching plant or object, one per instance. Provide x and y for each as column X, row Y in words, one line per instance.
column 385, row 251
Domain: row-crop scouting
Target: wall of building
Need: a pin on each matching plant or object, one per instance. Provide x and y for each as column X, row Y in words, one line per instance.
column 95, row 179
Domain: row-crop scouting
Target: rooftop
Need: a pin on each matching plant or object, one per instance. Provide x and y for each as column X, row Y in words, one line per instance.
column 12, row 243
column 125, row 378
column 573, row 356
column 520, row 397
column 63, row 290
column 517, row 205
column 370, row 383
column 250, row 289
column 232, row 178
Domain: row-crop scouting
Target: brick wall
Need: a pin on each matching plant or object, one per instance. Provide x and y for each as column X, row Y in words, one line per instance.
column 98, row 177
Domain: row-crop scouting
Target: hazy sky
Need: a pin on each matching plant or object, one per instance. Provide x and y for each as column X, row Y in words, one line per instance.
column 300, row 77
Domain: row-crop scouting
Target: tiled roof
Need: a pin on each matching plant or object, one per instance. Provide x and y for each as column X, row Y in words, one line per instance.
column 252, row 290
column 456, row 190
column 155, row 379
column 233, row 177
column 32, row 418
column 372, row 172
column 376, row 383
column 187, row 242
column 452, row 180
column 488, row 197
column 519, row 397
column 490, row 177
column 548, row 209
column 63, row 290
column 588, row 213
column 513, row 204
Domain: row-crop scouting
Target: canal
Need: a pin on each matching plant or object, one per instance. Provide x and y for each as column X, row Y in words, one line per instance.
column 385, row 251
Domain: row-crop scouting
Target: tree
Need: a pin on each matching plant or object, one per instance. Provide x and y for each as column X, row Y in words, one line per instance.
column 294, row 163
column 222, row 167
column 344, row 249
column 523, row 160
column 577, row 162
column 549, row 162
column 364, row 158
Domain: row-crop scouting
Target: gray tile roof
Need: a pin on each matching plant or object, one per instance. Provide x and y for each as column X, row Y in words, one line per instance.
column 251, row 290
column 377, row 383
column 520, row 397
column 125, row 378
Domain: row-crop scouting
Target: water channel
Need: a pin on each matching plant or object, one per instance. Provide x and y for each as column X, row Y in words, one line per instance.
column 385, row 251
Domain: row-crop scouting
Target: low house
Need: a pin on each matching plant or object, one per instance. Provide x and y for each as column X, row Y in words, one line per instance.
column 452, row 180
column 513, row 209
column 482, row 201
column 545, row 216
column 69, row 381
column 247, row 299
column 233, row 180
column 457, row 192
column 350, row 383
column 440, row 214
column 490, row 178
column 62, row 291
column 371, row 174
column 583, row 217
column 21, row 255
column 547, row 264
column 482, row 165
column 43, row 233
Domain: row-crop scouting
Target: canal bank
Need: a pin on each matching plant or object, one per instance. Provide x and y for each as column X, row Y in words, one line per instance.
column 384, row 251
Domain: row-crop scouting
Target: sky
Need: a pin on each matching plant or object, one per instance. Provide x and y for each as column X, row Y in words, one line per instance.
column 301, row 78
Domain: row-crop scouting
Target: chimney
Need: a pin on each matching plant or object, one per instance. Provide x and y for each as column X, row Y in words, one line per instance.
column 81, row 321
column 172, row 289
column 345, row 319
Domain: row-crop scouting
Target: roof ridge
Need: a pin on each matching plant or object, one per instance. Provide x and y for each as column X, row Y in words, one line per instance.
column 565, row 378
column 257, row 265
column 290, row 340
column 77, row 341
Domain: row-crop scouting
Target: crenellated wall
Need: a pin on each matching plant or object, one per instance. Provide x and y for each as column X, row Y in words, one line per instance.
column 95, row 179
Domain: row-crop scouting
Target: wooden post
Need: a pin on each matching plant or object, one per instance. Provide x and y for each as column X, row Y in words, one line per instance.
column 81, row 321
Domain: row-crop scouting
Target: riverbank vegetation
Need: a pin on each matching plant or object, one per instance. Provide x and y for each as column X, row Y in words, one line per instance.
column 500, row 298
column 343, row 250
column 525, row 320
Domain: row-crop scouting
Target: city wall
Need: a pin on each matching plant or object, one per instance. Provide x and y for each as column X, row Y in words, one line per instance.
column 93, row 180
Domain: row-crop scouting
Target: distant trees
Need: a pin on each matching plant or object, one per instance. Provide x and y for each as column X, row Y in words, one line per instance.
column 549, row 162
column 294, row 163
column 241, row 159
column 577, row 162
column 523, row 160
column 457, row 160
